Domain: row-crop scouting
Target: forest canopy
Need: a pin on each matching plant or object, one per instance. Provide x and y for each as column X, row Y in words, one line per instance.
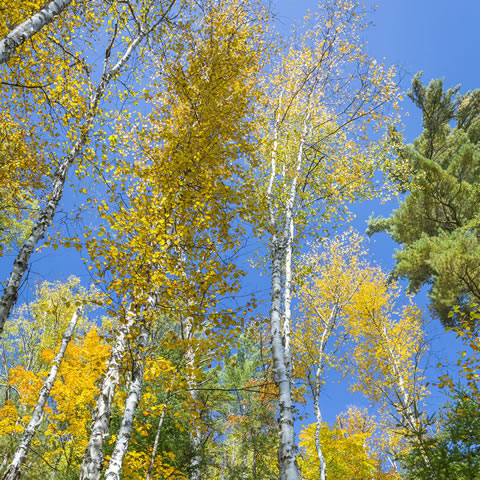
column 201, row 170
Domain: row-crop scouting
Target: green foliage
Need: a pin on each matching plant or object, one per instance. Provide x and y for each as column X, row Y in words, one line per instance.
column 246, row 442
column 438, row 223
column 454, row 452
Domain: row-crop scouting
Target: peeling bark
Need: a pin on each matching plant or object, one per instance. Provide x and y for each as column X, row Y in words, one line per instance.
column 131, row 403
column 45, row 217
column 21, row 33
column 93, row 459
column 13, row 471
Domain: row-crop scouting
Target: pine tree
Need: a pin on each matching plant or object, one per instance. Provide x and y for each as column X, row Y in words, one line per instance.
column 438, row 223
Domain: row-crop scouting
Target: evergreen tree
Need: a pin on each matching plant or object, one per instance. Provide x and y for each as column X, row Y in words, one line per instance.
column 438, row 223
column 454, row 452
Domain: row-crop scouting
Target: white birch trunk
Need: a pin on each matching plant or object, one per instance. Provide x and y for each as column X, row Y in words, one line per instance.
column 195, row 431
column 318, row 414
column 405, row 409
column 281, row 251
column 46, row 215
column 287, row 453
column 287, row 319
column 131, row 403
column 93, row 458
column 21, row 33
column 13, row 471
column 328, row 325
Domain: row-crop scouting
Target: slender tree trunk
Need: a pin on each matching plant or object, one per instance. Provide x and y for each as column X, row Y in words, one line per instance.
column 159, row 427
column 287, row 453
column 318, row 414
column 195, row 430
column 405, row 410
column 254, row 459
column 244, row 457
column 93, row 459
column 328, row 325
column 131, row 403
column 13, row 471
column 46, row 215
column 21, row 33
column 287, row 320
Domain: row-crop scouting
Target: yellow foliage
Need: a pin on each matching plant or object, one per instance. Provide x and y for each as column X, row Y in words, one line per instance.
column 347, row 449
column 72, row 398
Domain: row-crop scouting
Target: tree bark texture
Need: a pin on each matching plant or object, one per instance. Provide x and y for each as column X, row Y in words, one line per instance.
column 131, row 403
column 13, row 471
column 46, row 215
column 287, row 453
column 21, row 33
column 93, row 458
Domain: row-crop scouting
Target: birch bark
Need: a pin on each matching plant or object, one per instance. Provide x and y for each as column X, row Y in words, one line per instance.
column 131, row 403
column 328, row 326
column 195, row 431
column 46, row 215
column 21, row 33
column 404, row 408
column 13, row 471
column 93, row 458
column 281, row 246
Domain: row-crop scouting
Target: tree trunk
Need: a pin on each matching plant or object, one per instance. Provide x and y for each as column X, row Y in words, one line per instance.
column 318, row 414
column 13, row 471
column 287, row 453
column 287, row 319
column 195, row 431
column 93, row 459
column 21, row 33
column 131, row 404
column 45, row 217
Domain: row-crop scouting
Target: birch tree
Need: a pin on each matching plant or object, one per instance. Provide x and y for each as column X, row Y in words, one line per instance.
column 93, row 459
column 13, row 471
column 19, row 34
column 387, row 357
column 82, row 111
column 351, row 304
column 131, row 403
column 168, row 235
column 332, row 277
column 325, row 98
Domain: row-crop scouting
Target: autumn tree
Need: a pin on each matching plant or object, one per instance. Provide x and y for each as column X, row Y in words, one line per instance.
column 437, row 224
column 49, row 392
column 349, row 322
column 333, row 276
column 325, row 101
column 19, row 34
column 170, row 217
column 352, row 448
column 386, row 361
column 54, row 77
